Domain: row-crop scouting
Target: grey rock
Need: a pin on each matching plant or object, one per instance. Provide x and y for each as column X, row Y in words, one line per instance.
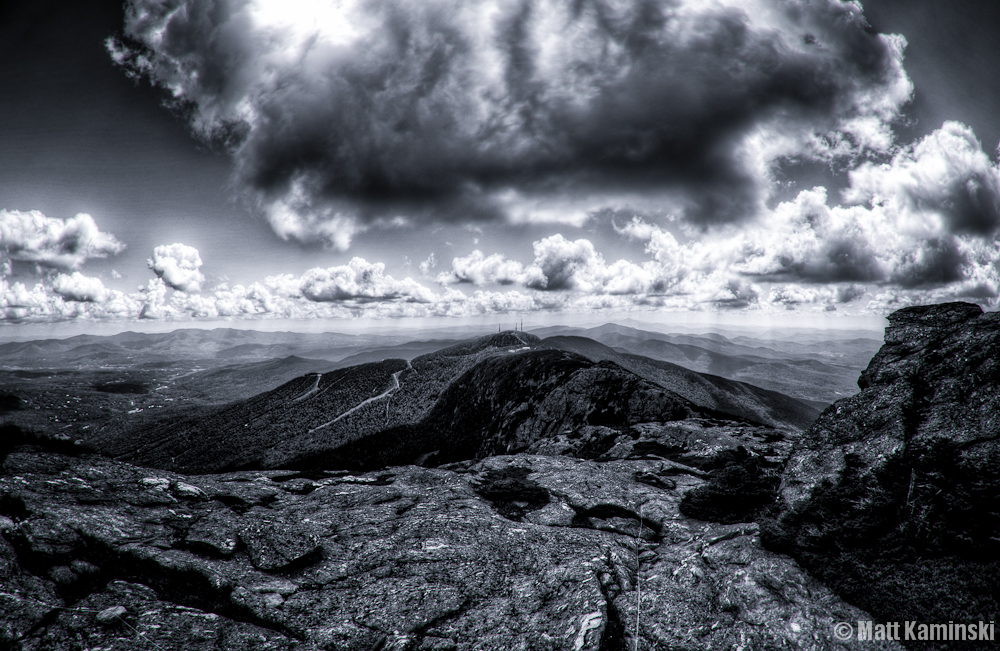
column 83, row 568
column 111, row 614
column 163, row 625
column 187, row 491
column 410, row 558
column 63, row 575
column 25, row 598
column 275, row 545
column 214, row 534
column 906, row 470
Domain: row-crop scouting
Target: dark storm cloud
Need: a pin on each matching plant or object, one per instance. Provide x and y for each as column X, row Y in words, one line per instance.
column 459, row 110
column 940, row 261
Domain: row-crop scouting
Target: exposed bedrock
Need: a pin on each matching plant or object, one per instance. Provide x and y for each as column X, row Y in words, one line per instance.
column 511, row 552
column 892, row 497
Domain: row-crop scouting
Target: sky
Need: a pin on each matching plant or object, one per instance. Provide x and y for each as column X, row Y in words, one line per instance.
column 190, row 161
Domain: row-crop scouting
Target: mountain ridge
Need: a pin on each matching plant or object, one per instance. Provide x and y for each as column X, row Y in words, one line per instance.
column 308, row 419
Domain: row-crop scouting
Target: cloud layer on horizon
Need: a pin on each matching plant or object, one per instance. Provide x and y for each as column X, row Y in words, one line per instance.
column 346, row 115
column 922, row 227
column 659, row 125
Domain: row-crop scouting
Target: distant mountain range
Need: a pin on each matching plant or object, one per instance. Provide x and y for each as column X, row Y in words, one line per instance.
column 808, row 365
column 805, row 366
column 502, row 393
column 221, row 345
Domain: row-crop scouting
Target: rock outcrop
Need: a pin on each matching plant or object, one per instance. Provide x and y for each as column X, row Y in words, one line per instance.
column 511, row 552
column 892, row 497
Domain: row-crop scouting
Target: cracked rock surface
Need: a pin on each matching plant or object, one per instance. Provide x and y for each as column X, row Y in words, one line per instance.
column 511, row 552
column 892, row 495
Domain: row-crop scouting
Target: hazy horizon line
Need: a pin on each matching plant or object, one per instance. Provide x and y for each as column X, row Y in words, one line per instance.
column 681, row 323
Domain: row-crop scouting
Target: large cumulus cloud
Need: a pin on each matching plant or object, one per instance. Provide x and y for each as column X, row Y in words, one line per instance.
column 178, row 265
column 65, row 297
column 358, row 280
column 52, row 242
column 928, row 218
column 946, row 182
column 80, row 288
column 343, row 114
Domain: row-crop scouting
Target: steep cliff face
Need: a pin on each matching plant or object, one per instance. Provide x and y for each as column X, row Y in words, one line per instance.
column 893, row 495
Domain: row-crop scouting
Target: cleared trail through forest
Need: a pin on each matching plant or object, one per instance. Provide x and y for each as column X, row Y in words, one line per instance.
column 311, row 391
column 396, row 385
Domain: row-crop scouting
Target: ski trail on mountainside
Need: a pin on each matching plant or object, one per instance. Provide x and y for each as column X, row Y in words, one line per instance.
column 311, row 391
column 396, row 385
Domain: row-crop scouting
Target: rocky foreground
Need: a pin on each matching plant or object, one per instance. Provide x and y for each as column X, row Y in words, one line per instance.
column 511, row 552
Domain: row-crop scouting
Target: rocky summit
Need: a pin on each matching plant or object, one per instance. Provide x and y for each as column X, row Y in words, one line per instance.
column 509, row 552
column 892, row 497
column 587, row 507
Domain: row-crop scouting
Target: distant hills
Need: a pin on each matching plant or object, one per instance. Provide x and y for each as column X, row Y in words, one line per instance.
column 813, row 366
column 735, row 398
column 176, row 399
column 497, row 394
column 806, row 366
column 219, row 347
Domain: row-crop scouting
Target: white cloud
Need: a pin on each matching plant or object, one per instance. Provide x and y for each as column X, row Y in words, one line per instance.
column 177, row 264
column 923, row 227
column 945, row 183
column 297, row 216
column 479, row 269
column 428, row 265
column 362, row 281
column 52, row 242
column 932, row 221
column 68, row 297
column 80, row 288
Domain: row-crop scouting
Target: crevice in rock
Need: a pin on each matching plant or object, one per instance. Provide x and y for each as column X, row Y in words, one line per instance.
column 240, row 506
column 915, row 412
column 654, row 480
column 613, row 635
column 182, row 586
column 608, row 517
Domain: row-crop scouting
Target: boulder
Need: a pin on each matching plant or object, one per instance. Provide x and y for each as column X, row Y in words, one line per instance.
column 892, row 496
